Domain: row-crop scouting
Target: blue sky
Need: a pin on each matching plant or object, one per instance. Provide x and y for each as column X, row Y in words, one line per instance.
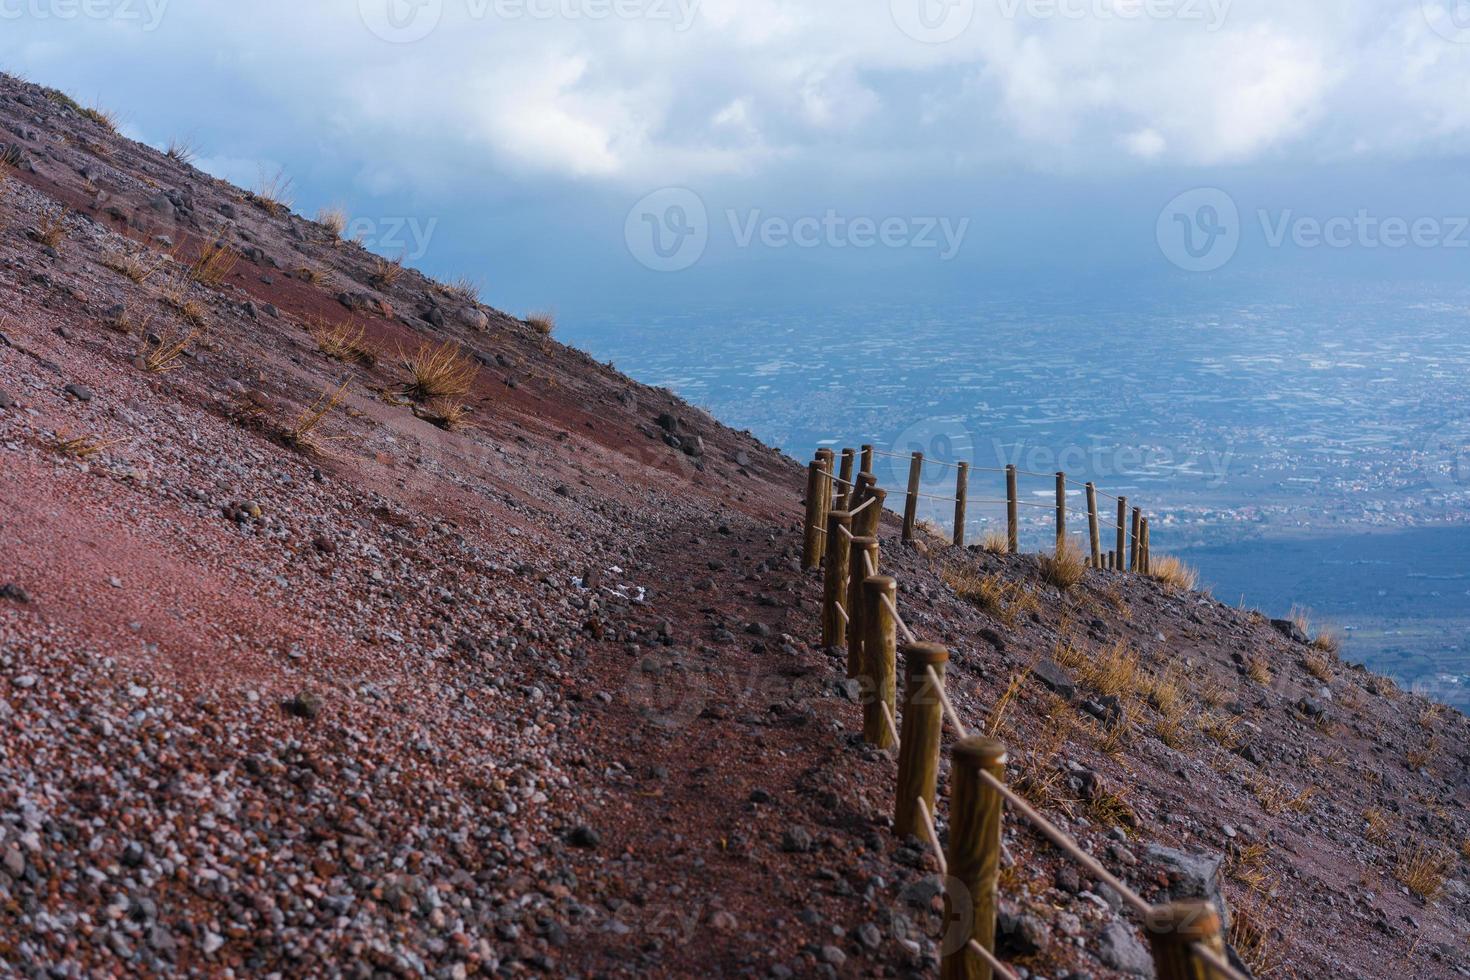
column 641, row 155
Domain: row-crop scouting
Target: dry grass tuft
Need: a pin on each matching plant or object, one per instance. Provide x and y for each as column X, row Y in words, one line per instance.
column 1113, row 671
column 995, row 543
column 1173, row 573
column 441, row 372
column 302, row 433
column 1002, row 704
column 448, row 414
column 273, row 192
column 1318, row 666
column 1423, row 871
column 10, row 157
column 463, row 288
column 1258, row 670
column 1376, row 827
column 105, row 118
column 1246, row 863
column 385, row 272
column 993, row 594
column 542, row 323
column 215, row 263
column 163, row 357
column 138, row 269
column 334, row 219
column 1250, row 934
column 1429, row 715
column 1328, row 641
column 311, row 276
column 51, row 228
column 343, row 342
column 1220, row 729
column 1421, row 757
column 1065, row 567
column 1277, row 798
column 80, row 447
column 182, row 151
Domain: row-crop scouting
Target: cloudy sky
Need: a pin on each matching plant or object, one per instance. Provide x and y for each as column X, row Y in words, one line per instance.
column 590, row 154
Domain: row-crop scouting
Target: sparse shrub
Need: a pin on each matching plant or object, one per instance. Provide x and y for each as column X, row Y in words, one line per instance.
column 1327, row 641
column 343, row 342
column 1317, row 665
column 1258, row 670
column 1421, row 757
column 1423, row 871
column 1169, row 727
column 80, row 447
column 163, row 356
column 439, row 372
column 10, row 158
column 1002, row 703
column 385, row 273
column 542, row 323
column 273, row 192
column 311, row 275
column 996, row 596
column 138, row 269
column 1429, row 715
column 302, row 433
column 1064, row 568
column 215, row 263
column 1173, row 573
column 463, row 288
column 1220, row 729
column 1376, row 826
column 105, row 118
column 334, row 219
column 995, row 543
column 181, row 151
column 1250, row 933
column 1114, row 671
column 1277, row 798
column 51, row 228
column 448, row 414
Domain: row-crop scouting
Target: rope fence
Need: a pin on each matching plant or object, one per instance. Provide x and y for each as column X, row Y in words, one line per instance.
column 830, row 488
column 860, row 613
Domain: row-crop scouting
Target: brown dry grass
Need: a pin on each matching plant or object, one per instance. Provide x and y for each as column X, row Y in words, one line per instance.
column 343, row 342
column 1065, row 567
column 105, row 118
column 993, row 594
column 1258, row 670
column 80, row 447
column 448, row 414
column 1376, row 826
column 385, row 272
column 1328, row 641
column 1278, row 798
column 163, row 357
column 439, row 372
column 1250, row 932
column 51, row 228
column 302, row 433
column 333, row 219
column 273, row 192
column 181, row 151
column 1318, row 665
column 1421, row 757
column 1221, row 729
column 1423, row 870
column 139, row 269
column 311, row 275
column 1173, row 573
column 542, row 323
column 215, row 263
column 995, row 543
column 463, row 288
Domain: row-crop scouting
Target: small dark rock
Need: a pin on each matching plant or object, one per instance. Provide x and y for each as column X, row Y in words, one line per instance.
column 80, row 392
column 14, row 593
column 304, row 705
column 583, row 836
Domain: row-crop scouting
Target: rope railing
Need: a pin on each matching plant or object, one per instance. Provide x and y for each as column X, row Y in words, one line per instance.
column 861, row 612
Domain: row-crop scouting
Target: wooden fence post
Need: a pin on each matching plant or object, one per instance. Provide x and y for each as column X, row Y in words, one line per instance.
column 918, row 747
column 1173, row 929
column 961, row 493
column 844, row 486
column 1144, row 566
column 865, row 460
column 811, row 550
column 866, row 523
column 856, row 606
column 1013, row 512
column 911, row 505
column 834, row 593
column 1093, row 531
column 879, row 667
column 825, row 455
column 1061, row 512
column 1133, row 540
column 974, row 848
column 1120, row 555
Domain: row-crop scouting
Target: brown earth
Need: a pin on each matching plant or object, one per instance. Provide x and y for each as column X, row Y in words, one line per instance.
column 544, row 693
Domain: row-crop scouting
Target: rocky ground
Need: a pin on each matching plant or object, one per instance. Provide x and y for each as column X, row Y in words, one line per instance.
column 543, row 693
